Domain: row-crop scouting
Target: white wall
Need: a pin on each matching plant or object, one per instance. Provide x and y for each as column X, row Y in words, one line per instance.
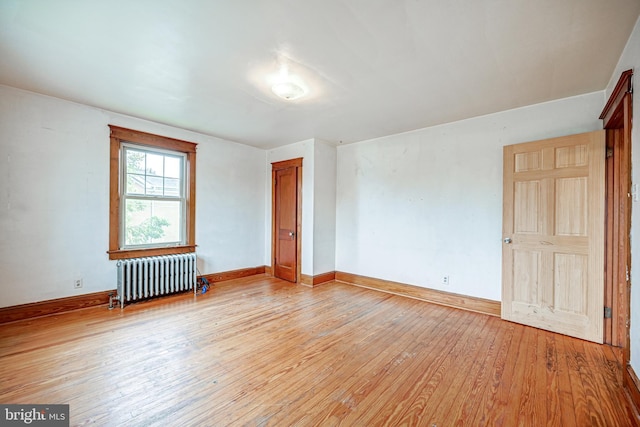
column 417, row 206
column 630, row 58
column 324, row 224
column 54, row 198
column 229, row 205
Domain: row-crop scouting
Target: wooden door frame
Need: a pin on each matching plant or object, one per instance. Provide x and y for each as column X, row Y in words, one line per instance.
column 617, row 119
column 276, row 166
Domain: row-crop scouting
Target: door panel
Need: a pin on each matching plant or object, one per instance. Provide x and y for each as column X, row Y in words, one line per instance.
column 553, row 225
column 527, row 204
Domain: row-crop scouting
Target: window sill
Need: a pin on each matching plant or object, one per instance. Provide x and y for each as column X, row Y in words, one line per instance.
column 147, row 252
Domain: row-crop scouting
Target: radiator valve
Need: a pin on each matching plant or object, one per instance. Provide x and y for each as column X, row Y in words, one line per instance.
column 204, row 285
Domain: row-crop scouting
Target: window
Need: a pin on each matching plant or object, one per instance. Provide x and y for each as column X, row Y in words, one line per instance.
column 152, row 203
column 152, row 198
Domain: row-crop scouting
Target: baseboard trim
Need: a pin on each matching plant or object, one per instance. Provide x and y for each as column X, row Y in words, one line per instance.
column 268, row 270
column 464, row 302
column 234, row 274
column 54, row 306
column 632, row 387
column 60, row 305
column 318, row 279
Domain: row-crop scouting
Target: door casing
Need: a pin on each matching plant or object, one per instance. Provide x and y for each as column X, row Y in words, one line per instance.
column 616, row 117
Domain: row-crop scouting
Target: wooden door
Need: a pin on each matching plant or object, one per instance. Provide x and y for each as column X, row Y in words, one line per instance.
column 286, row 194
column 553, row 230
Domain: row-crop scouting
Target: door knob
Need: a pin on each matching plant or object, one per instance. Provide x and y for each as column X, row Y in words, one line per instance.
column 291, row 234
column 507, row 240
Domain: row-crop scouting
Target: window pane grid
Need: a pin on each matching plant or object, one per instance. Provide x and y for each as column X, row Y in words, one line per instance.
column 152, row 174
column 153, row 202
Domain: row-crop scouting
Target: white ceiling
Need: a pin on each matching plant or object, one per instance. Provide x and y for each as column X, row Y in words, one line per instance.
column 374, row 67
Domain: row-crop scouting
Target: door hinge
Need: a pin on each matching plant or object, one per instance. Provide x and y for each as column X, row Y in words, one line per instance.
column 609, row 152
column 627, row 273
column 607, row 312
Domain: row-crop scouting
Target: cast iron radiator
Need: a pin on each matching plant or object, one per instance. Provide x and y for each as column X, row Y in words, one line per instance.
column 143, row 278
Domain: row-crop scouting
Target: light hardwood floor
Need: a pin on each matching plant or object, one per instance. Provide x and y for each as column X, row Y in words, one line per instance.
column 259, row 351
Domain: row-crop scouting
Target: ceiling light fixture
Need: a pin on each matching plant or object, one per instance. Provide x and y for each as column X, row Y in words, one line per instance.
column 288, row 90
column 288, row 86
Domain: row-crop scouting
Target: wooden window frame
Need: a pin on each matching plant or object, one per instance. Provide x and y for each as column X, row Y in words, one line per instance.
column 121, row 135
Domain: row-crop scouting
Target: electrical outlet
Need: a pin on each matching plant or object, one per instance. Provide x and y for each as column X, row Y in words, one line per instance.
column 77, row 284
column 445, row 280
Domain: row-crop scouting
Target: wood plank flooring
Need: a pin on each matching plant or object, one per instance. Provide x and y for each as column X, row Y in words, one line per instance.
column 258, row 351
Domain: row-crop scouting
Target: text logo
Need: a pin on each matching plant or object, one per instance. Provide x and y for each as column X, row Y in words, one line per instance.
column 34, row 415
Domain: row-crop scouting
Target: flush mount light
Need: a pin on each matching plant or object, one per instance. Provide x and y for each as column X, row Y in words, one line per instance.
column 288, row 86
column 288, row 90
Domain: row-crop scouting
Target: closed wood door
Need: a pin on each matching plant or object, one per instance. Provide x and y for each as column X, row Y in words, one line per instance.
column 285, row 240
column 553, row 231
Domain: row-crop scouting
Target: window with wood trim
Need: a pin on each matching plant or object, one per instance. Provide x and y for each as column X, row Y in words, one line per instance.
column 152, row 195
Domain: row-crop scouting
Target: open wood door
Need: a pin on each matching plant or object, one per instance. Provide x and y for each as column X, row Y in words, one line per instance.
column 553, row 231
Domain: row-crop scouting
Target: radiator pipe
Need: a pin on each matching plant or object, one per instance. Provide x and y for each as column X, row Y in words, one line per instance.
column 111, row 296
column 111, row 299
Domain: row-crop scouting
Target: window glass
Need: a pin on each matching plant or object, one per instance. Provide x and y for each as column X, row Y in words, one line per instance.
column 153, row 199
column 149, row 222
